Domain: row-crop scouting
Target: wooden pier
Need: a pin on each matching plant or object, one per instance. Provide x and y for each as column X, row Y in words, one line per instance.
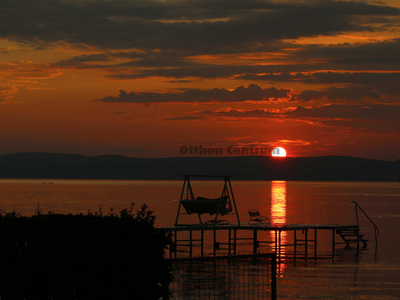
column 219, row 237
column 297, row 241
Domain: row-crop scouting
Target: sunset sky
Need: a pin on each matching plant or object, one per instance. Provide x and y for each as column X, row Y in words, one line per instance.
column 144, row 78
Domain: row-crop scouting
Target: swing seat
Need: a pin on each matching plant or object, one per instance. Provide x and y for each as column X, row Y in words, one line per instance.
column 203, row 205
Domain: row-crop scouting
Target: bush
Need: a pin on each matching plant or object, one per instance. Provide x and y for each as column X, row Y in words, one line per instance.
column 92, row 256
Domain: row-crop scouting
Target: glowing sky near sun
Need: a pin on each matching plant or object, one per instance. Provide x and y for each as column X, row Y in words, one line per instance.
column 144, row 78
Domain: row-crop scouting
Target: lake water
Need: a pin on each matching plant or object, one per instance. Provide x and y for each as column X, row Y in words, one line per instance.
column 371, row 275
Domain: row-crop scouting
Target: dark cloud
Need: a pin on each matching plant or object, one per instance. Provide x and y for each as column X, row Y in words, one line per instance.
column 252, row 93
column 171, row 64
column 197, row 26
column 345, row 93
column 239, row 113
column 361, row 78
column 350, row 112
column 186, row 118
column 141, row 97
column 180, row 81
column 357, row 118
column 163, row 64
column 367, row 55
column 359, row 85
column 80, row 60
column 189, row 69
column 162, row 39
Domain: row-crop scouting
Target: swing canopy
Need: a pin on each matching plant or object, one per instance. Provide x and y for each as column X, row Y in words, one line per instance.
column 207, row 206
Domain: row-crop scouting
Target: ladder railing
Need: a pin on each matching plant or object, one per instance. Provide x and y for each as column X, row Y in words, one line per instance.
column 376, row 227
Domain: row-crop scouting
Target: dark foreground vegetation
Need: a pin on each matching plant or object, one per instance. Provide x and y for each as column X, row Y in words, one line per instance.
column 85, row 256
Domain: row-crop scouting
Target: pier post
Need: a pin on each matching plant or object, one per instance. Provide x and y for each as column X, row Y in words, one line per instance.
column 190, row 243
column 306, row 243
column 255, row 241
column 172, row 245
column 176, row 243
column 234, row 241
column 202, row 242
column 273, row 278
column 215, row 241
column 295, row 243
column 280, row 244
column 315, row 243
column 229, row 242
column 333, row 243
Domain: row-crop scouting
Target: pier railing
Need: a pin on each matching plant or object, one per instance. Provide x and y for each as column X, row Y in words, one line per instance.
column 376, row 227
column 297, row 241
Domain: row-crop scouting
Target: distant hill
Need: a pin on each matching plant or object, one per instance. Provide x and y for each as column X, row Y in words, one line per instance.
column 73, row 166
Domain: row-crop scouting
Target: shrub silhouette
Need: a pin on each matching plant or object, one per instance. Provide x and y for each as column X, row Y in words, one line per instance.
column 91, row 256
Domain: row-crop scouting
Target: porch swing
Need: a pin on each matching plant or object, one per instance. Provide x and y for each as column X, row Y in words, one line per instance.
column 221, row 206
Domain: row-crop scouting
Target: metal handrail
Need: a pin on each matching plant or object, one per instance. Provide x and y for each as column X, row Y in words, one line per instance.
column 376, row 227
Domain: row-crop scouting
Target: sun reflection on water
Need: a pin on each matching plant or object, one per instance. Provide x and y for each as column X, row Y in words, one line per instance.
column 278, row 202
column 278, row 215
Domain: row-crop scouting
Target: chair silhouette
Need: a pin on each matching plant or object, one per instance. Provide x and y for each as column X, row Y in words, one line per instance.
column 256, row 217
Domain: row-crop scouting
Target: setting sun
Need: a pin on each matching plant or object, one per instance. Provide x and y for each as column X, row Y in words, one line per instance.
column 279, row 152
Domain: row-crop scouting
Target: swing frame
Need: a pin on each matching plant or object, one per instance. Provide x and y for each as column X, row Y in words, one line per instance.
column 225, row 205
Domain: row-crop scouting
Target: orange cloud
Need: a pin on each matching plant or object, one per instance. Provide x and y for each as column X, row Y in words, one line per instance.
column 20, row 74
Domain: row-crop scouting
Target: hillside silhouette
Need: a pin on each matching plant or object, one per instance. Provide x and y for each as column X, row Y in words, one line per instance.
column 73, row 166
